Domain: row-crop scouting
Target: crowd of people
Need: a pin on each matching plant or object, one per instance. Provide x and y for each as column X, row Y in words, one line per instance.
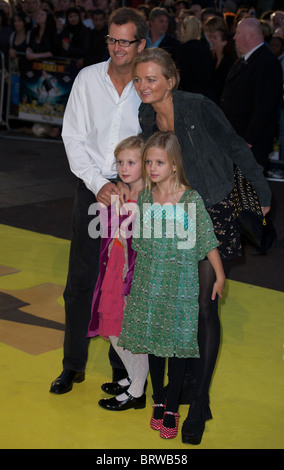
column 200, row 40
column 183, row 96
column 199, row 35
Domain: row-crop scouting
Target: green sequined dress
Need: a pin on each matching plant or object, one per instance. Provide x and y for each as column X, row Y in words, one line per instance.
column 161, row 313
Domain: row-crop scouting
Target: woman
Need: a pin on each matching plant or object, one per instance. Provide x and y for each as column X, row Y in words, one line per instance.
column 222, row 48
column 74, row 38
column 194, row 60
column 19, row 37
column 42, row 42
column 210, row 147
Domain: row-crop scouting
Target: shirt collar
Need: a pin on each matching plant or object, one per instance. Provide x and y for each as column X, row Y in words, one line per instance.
column 248, row 54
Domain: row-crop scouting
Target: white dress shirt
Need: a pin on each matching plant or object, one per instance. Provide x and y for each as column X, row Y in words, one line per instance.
column 96, row 119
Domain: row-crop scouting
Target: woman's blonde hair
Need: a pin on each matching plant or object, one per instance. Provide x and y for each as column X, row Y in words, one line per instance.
column 132, row 142
column 191, row 28
column 168, row 142
column 160, row 57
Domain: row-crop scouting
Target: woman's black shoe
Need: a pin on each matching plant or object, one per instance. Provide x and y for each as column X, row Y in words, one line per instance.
column 114, row 388
column 194, row 425
column 113, row 404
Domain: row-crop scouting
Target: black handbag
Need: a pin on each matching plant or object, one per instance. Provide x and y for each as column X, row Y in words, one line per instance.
column 248, row 209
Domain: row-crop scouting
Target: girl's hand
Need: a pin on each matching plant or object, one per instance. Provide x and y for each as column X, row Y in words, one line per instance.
column 218, row 288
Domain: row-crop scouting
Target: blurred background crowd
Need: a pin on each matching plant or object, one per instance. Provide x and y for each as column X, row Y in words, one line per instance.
column 199, row 34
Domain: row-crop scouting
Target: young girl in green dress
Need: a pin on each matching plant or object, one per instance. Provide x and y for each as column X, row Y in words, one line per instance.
column 172, row 233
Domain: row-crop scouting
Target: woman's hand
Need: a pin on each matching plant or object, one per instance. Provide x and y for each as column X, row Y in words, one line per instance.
column 65, row 44
column 29, row 54
column 12, row 53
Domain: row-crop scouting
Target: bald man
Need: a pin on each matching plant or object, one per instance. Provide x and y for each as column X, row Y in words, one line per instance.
column 251, row 99
column 252, row 92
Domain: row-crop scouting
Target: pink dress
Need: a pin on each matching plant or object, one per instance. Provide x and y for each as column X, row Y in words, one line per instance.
column 111, row 303
column 117, row 260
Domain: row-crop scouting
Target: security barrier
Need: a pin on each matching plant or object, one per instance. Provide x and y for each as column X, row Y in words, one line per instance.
column 2, row 87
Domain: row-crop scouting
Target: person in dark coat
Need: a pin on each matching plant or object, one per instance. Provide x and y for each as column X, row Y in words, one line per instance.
column 42, row 42
column 195, row 61
column 74, row 38
column 158, row 35
column 222, row 49
column 97, row 50
column 252, row 91
column 251, row 99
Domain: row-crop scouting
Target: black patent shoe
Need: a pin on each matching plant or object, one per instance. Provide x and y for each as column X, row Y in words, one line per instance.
column 113, row 404
column 64, row 382
column 114, row 388
column 194, row 425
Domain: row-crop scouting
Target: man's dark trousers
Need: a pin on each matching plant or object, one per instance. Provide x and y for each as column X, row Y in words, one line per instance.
column 81, row 280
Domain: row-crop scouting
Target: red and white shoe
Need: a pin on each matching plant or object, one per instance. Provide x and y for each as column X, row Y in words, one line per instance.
column 157, row 423
column 170, row 433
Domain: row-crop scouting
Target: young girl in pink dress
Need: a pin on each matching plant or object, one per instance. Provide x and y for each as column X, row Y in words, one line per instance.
column 117, row 260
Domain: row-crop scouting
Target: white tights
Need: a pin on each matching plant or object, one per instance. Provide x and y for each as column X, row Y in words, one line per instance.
column 137, row 368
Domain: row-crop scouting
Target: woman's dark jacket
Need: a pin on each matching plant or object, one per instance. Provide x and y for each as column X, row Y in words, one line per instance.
column 209, row 146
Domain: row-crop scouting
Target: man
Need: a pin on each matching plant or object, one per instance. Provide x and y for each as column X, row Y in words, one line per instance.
column 252, row 91
column 97, row 51
column 158, row 32
column 101, row 111
column 31, row 8
column 251, row 98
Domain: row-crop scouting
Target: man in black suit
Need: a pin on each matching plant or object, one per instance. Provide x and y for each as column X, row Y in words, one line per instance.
column 251, row 99
column 252, row 92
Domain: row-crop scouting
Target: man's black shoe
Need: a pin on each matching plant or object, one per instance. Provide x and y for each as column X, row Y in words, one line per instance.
column 64, row 382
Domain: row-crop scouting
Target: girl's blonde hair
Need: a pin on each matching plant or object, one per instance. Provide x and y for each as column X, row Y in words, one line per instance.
column 168, row 142
column 160, row 57
column 132, row 142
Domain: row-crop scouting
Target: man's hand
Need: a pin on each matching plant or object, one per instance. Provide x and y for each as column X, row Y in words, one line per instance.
column 124, row 191
column 105, row 193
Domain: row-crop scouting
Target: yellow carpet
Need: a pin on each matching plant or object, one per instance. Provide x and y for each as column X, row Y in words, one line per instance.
column 247, row 391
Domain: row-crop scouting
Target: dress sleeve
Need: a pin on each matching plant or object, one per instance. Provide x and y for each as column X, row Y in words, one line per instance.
column 205, row 237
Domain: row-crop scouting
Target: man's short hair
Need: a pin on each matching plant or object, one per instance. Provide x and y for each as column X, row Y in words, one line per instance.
column 126, row 15
column 98, row 11
column 156, row 12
